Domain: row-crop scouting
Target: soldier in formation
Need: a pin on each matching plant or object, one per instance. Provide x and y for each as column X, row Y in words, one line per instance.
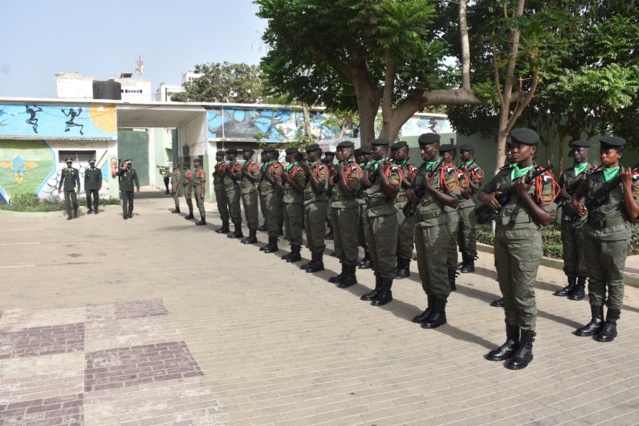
column 219, row 171
column 315, row 206
column 92, row 187
column 292, row 183
column 467, row 233
column 176, row 186
column 231, row 180
column 198, row 183
column 250, row 175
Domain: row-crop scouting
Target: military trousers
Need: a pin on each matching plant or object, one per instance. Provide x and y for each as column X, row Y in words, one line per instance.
column 199, row 201
column 280, row 211
column 315, row 220
column 234, row 194
column 273, row 203
column 262, row 197
column 361, row 228
column 127, row 203
column 606, row 261
column 467, row 233
column 453, row 226
column 294, row 222
column 188, row 198
column 381, row 237
column 431, row 244
column 177, row 193
column 345, row 222
column 405, row 233
column 572, row 241
column 251, row 209
column 70, row 201
column 93, row 198
column 222, row 202
column 517, row 262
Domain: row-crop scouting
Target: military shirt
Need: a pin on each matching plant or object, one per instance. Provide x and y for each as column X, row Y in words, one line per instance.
column 296, row 173
column 474, row 174
column 353, row 174
column 92, row 179
column 199, row 176
column 218, row 174
column 128, row 177
column 69, row 178
column 409, row 172
column 249, row 167
column 429, row 209
column 322, row 172
column 274, row 170
column 567, row 179
column 377, row 201
column 175, row 179
column 229, row 182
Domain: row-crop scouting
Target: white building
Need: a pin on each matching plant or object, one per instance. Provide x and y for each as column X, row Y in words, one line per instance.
column 74, row 85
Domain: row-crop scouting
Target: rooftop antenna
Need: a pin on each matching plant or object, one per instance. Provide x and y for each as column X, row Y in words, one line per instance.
column 139, row 66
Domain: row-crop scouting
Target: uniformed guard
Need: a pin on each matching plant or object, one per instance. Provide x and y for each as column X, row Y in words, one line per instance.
column 70, row 178
column 293, row 183
column 261, row 196
column 165, row 172
column 92, row 186
column 128, row 179
column 607, row 235
column 315, row 205
column 430, row 192
column 406, row 224
column 199, row 189
column 467, row 233
column 329, row 161
column 219, row 171
column 233, row 191
column 345, row 214
column 458, row 180
column 250, row 175
column 362, row 157
column 176, row 187
column 271, row 173
column 518, row 243
column 187, row 185
column 572, row 238
column 382, row 182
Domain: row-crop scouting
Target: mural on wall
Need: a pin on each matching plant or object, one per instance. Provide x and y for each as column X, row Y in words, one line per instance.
column 271, row 124
column 50, row 189
column 60, row 122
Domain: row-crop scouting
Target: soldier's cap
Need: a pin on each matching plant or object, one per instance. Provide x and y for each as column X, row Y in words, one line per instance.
column 220, row 152
column 69, row 160
column 399, row 145
column 197, row 160
column 447, row 147
column 128, row 161
column 466, row 147
column 345, row 144
column 186, row 163
column 247, row 150
column 366, row 150
column 231, row 151
column 92, row 160
column 524, row 136
column 580, row 144
column 269, row 149
column 331, row 153
column 611, row 142
column 291, row 150
column 313, row 147
column 428, row 138
column 380, row 142
column 358, row 152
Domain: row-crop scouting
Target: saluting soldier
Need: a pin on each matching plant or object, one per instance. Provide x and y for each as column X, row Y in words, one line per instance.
column 447, row 153
column 176, row 187
column 607, row 236
column 345, row 214
column 572, row 237
column 70, row 178
column 199, row 189
column 382, row 182
column 293, row 183
column 467, row 233
column 128, row 179
column 271, row 173
column 250, row 175
column 518, row 244
column 220, row 192
column 329, row 160
column 92, row 186
column 315, row 206
column 363, row 159
column 432, row 190
column 233, row 191
column 187, row 185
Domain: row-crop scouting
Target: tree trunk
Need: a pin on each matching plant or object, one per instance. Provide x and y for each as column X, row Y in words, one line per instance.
column 367, row 105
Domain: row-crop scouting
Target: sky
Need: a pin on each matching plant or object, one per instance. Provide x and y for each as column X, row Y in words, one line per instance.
column 103, row 39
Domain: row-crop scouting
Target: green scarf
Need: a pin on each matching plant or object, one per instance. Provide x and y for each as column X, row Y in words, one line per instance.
column 610, row 172
column 516, row 172
column 579, row 168
column 430, row 165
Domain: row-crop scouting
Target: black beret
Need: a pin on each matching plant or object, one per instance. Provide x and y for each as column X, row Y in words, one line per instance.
column 269, row 149
column 222, row 152
column 247, row 150
column 345, row 144
column 525, row 136
column 399, row 145
column 380, row 142
column 366, row 150
column 358, row 152
column 313, row 147
column 428, row 138
column 447, row 147
column 466, row 147
column 608, row 142
column 231, row 151
column 291, row 150
column 329, row 153
column 509, row 140
column 69, row 160
column 580, row 144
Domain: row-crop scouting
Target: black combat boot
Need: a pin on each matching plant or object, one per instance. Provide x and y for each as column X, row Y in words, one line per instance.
column 75, row 212
column 271, row 247
column 371, row 295
column 338, row 278
column 523, row 355
column 294, row 255
column 318, row 265
column 89, row 210
column 421, row 318
column 224, row 229
column 609, row 330
column 467, row 266
column 252, row 238
column 330, row 234
column 177, row 210
column 452, row 274
column 386, row 295
column 595, row 324
column 508, row 349
column 567, row 291
column 404, row 271
column 499, row 303
column 202, row 222
column 579, row 291
column 349, row 279
column 71, row 217
column 367, row 261
column 311, row 262
column 438, row 317
column 262, row 228
column 237, row 233
column 190, row 215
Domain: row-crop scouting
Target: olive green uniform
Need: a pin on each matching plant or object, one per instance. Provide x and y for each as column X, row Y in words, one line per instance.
column 406, row 224
column 518, row 249
column 467, row 233
column 332, row 170
column 272, row 200
column 249, row 194
column 187, row 184
column 345, row 216
column 233, row 193
column 315, row 206
column 361, row 229
column 294, row 205
column 69, row 179
column 453, row 217
column 199, row 178
column 572, row 236
column 220, row 191
column 92, row 186
column 176, row 187
column 128, row 179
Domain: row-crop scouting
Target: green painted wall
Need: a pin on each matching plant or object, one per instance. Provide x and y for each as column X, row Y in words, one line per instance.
column 135, row 145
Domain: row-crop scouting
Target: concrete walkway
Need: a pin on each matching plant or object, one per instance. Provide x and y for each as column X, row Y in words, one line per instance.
column 156, row 321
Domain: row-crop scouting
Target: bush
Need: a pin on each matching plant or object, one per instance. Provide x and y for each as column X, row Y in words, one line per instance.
column 31, row 203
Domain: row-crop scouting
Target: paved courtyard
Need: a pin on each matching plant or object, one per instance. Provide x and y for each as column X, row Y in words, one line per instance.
column 156, row 321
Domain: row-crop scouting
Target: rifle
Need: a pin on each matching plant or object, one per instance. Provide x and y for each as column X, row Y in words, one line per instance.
column 573, row 187
column 409, row 207
column 483, row 214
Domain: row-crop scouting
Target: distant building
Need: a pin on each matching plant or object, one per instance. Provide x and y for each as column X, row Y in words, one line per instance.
column 74, row 85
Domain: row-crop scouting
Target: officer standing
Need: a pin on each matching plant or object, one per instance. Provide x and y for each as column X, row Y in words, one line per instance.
column 262, row 197
column 92, row 186
column 329, row 161
column 431, row 191
column 128, row 179
column 467, row 234
column 187, row 185
column 382, row 183
column 293, row 183
column 69, row 178
column 459, row 180
column 233, row 191
column 607, row 236
column 250, row 175
column 363, row 159
column 315, row 206
column 518, row 244
column 406, row 224
column 572, row 237
column 220, row 192
column 345, row 214
column 271, row 173
column 199, row 189
column 176, row 186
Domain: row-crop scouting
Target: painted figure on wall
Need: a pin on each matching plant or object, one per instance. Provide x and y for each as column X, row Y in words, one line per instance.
column 71, row 123
column 33, row 120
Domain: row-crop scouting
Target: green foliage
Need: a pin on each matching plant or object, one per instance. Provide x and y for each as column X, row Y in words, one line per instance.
column 31, row 203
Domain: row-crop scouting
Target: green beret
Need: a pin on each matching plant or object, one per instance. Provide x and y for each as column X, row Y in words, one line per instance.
column 428, row 138
column 524, row 136
column 611, row 142
column 399, row 145
column 447, row 147
column 466, row 147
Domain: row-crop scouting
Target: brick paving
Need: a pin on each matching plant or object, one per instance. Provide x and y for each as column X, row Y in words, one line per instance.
column 235, row 336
